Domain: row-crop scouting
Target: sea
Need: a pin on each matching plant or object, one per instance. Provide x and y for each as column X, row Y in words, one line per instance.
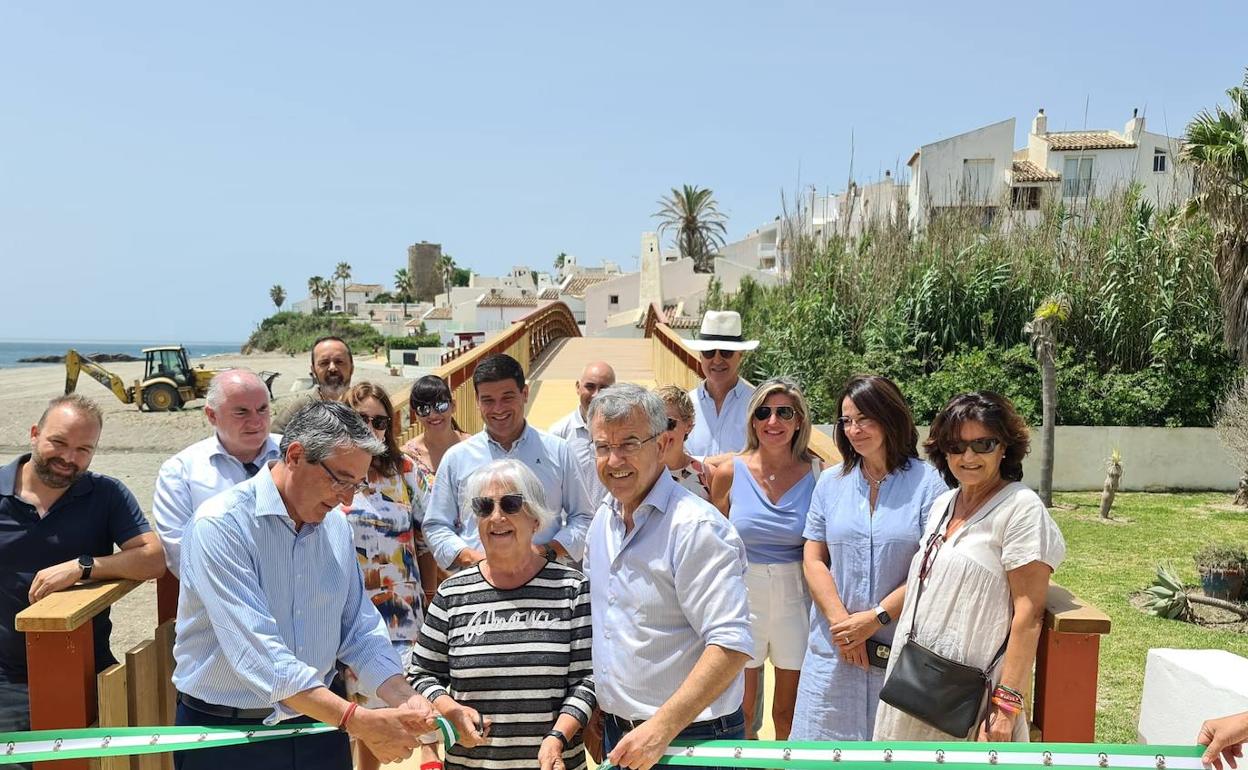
column 12, row 350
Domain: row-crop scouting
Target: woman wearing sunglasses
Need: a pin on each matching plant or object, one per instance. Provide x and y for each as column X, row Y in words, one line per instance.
column 865, row 522
column 433, row 407
column 976, row 590
column 687, row 470
column 385, row 521
column 504, row 652
column 765, row 492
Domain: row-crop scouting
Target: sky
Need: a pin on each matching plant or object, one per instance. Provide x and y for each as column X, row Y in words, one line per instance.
column 163, row 164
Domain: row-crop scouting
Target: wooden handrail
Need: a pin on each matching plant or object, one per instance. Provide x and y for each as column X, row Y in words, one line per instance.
column 69, row 609
column 1068, row 614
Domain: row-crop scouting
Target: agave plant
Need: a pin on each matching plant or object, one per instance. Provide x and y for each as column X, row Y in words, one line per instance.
column 1168, row 598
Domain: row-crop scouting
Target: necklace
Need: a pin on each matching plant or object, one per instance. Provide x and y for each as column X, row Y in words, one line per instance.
column 875, row 483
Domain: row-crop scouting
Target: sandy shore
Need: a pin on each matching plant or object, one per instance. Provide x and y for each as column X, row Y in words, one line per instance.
column 134, row 443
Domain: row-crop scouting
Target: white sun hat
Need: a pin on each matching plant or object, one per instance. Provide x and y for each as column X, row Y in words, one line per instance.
column 721, row 330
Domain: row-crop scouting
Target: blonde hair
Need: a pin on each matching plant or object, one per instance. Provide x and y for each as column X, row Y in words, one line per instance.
column 676, row 396
column 784, row 386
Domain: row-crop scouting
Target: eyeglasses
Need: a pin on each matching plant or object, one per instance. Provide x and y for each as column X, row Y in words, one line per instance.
column 934, row 542
column 671, row 423
column 378, row 421
column 510, row 505
column 861, row 423
column 423, row 410
column 980, row 446
column 339, row 485
column 724, row 354
column 786, row 413
column 626, row 448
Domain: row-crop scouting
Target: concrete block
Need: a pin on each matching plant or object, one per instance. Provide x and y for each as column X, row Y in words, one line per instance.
column 1183, row 688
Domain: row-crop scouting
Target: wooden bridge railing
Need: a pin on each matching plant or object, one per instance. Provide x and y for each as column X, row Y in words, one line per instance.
column 527, row 338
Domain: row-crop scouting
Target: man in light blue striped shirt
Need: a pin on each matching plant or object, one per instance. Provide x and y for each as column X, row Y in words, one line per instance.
column 671, row 622
column 451, row 533
column 272, row 596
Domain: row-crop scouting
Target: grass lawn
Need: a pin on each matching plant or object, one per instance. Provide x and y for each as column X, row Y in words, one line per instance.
column 1107, row 562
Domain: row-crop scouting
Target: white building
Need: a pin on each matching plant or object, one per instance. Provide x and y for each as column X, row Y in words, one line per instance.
column 980, row 170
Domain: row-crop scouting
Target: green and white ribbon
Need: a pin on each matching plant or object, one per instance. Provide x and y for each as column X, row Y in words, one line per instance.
column 909, row 755
column 85, row 743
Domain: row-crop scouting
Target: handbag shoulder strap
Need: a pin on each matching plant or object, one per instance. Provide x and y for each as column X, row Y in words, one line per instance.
column 940, row 525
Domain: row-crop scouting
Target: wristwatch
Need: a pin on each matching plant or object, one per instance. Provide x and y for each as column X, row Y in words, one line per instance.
column 551, row 553
column 882, row 615
column 86, row 562
column 563, row 739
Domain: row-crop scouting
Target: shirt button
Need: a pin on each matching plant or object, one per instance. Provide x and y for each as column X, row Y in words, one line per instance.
column 606, row 634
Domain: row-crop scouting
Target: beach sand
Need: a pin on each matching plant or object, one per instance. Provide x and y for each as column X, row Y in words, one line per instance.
column 134, row 444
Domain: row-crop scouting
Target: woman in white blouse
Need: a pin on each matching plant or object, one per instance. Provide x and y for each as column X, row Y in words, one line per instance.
column 988, row 551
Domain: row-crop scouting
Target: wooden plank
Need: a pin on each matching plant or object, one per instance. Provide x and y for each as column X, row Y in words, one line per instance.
column 167, row 588
column 113, row 697
column 67, row 610
column 61, row 671
column 168, row 696
column 1066, row 678
column 1068, row 614
column 143, row 696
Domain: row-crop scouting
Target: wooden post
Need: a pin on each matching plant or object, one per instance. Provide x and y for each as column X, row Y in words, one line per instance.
column 143, row 696
column 166, row 597
column 114, row 708
column 1067, row 663
column 61, row 675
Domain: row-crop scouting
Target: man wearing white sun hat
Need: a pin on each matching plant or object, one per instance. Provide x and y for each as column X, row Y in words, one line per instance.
column 719, row 402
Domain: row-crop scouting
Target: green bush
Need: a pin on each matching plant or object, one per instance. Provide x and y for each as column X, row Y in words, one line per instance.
column 292, row 332
column 411, row 343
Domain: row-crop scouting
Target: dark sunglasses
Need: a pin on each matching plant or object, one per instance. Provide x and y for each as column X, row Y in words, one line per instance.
column 785, row 413
column 724, row 354
column 671, row 423
column 980, row 446
column 378, row 421
column 508, row 504
column 934, row 541
column 423, row 410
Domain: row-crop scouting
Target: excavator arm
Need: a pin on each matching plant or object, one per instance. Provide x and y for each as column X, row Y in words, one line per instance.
column 75, row 363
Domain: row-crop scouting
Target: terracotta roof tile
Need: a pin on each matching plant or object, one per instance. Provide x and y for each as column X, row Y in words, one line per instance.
column 685, row 322
column 1026, row 171
column 577, row 286
column 1087, row 140
column 503, row 300
column 551, row 293
column 442, row 313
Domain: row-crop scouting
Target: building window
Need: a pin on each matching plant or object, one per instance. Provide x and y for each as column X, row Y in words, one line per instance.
column 1159, row 160
column 977, row 179
column 613, row 299
column 1025, row 198
column 1077, row 178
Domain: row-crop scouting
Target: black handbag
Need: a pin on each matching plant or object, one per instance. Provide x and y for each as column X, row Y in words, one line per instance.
column 944, row 693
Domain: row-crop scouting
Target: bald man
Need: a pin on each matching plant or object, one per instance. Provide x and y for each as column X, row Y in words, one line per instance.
column 596, row 376
column 237, row 407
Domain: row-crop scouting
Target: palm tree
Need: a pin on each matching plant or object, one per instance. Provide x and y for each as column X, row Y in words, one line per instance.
column 447, row 265
column 1051, row 312
column 316, row 289
column 343, row 273
column 560, row 259
column 1217, row 149
column 403, row 287
column 278, row 295
column 693, row 213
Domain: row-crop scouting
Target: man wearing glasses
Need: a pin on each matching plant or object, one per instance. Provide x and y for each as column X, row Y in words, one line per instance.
column 272, row 595
column 719, row 403
column 237, row 407
column 668, row 597
column 450, row 532
column 597, row 376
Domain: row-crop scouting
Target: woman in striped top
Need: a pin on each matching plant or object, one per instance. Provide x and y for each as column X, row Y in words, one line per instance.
column 504, row 652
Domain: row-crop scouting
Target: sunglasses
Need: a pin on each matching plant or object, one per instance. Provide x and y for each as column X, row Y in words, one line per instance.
column 378, row 421
column 980, row 446
column 724, row 354
column 424, row 410
column 785, row 413
column 934, row 541
column 508, row 504
column 671, row 423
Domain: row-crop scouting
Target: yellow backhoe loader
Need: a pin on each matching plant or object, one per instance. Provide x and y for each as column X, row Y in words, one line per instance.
column 168, row 382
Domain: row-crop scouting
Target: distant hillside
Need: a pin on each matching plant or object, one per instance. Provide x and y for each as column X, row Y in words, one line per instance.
column 292, row 332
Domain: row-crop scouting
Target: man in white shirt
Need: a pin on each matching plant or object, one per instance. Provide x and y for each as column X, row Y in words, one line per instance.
column 667, row 581
column 237, row 407
column 450, row 532
column 596, row 376
column 719, row 403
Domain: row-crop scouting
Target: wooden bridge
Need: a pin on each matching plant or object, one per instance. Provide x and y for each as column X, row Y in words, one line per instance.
column 65, row 692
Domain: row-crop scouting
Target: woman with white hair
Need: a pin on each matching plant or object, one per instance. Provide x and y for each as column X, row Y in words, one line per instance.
column 504, row 652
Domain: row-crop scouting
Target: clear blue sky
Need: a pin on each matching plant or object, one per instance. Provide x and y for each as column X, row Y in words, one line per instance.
column 163, row 164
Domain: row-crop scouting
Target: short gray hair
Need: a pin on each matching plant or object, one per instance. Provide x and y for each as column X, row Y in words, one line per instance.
column 324, row 426
column 618, row 402
column 513, row 475
column 216, row 389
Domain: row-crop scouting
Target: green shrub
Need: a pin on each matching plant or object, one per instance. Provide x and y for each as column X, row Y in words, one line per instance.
column 292, row 332
column 411, row 343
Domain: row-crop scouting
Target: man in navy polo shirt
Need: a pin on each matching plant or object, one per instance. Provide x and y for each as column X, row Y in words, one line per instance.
column 58, row 525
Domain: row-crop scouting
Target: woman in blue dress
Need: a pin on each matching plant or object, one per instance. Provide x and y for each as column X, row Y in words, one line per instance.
column 866, row 518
